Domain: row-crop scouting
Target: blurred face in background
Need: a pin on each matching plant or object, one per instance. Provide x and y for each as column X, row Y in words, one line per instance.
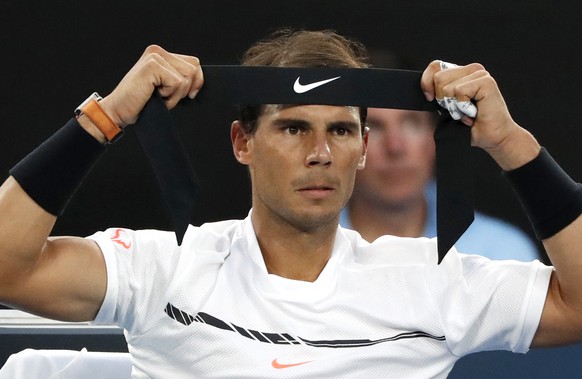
column 400, row 158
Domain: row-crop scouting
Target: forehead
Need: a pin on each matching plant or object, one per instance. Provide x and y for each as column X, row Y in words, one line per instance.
column 386, row 115
column 328, row 112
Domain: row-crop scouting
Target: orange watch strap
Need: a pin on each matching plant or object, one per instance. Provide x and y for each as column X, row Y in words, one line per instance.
column 101, row 120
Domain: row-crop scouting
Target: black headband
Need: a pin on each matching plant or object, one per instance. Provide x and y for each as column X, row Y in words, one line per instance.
column 376, row 88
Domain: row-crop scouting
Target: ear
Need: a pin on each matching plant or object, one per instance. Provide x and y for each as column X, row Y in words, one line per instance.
column 240, row 142
column 362, row 161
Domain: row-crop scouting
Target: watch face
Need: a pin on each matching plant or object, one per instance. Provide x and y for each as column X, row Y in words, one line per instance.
column 94, row 96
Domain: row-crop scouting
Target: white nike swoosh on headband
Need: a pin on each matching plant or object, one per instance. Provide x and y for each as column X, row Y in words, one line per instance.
column 301, row 88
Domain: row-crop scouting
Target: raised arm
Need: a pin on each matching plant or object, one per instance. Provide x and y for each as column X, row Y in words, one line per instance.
column 518, row 153
column 64, row 277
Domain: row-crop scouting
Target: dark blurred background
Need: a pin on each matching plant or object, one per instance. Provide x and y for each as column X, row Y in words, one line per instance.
column 54, row 54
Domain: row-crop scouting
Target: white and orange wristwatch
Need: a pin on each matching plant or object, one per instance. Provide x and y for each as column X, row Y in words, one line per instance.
column 91, row 108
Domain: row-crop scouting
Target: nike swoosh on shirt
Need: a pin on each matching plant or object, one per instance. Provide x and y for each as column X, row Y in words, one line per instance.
column 278, row 365
column 302, row 88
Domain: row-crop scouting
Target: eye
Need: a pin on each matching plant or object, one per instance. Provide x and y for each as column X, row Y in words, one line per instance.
column 415, row 127
column 293, row 130
column 341, row 130
column 375, row 128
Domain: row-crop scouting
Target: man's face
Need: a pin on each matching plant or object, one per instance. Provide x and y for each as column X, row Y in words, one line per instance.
column 400, row 157
column 303, row 160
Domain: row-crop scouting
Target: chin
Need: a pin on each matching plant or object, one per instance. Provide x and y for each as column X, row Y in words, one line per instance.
column 312, row 220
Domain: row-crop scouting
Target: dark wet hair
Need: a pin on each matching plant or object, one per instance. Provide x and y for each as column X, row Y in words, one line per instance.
column 301, row 48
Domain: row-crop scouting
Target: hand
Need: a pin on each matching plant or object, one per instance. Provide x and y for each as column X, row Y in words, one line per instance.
column 492, row 129
column 471, row 83
column 174, row 76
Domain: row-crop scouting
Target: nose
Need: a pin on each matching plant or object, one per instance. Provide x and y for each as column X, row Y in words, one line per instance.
column 394, row 140
column 320, row 153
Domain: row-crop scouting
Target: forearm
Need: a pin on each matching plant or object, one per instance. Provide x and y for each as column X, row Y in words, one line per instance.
column 516, row 149
column 42, row 184
column 38, row 191
column 562, row 244
column 63, row 280
column 551, row 200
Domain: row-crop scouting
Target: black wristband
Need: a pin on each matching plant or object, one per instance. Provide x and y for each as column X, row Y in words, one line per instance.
column 51, row 174
column 550, row 198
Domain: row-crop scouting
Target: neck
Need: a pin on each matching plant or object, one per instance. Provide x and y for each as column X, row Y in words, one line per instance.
column 291, row 252
column 373, row 220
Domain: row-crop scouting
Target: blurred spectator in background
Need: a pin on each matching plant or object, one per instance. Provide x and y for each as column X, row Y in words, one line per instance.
column 396, row 193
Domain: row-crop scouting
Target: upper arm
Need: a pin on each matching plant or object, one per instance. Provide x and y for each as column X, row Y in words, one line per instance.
column 67, row 282
column 561, row 321
column 559, row 324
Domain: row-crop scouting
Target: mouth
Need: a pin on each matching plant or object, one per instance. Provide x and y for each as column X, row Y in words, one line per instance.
column 396, row 172
column 316, row 191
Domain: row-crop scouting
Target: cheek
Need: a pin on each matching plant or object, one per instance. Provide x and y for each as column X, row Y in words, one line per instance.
column 429, row 151
column 425, row 158
column 374, row 155
column 353, row 167
column 424, row 149
column 272, row 162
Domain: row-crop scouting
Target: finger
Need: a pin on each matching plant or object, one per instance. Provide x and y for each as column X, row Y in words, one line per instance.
column 186, row 65
column 458, row 96
column 175, row 87
column 444, row 78
column 427, row 79
column 467, row 120
column 464, row 92
column 448, row 103
column 169, row 83
column 483, row 91
column 196, row 83
column 190, row 67
column 197, row 78
column 455, row 108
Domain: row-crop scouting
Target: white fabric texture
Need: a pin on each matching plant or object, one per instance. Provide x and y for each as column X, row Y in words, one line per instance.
column 66, row 364
column 383, row 310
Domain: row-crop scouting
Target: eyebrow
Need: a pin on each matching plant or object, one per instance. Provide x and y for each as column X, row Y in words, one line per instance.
column 305, row 124
column 291, row 121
